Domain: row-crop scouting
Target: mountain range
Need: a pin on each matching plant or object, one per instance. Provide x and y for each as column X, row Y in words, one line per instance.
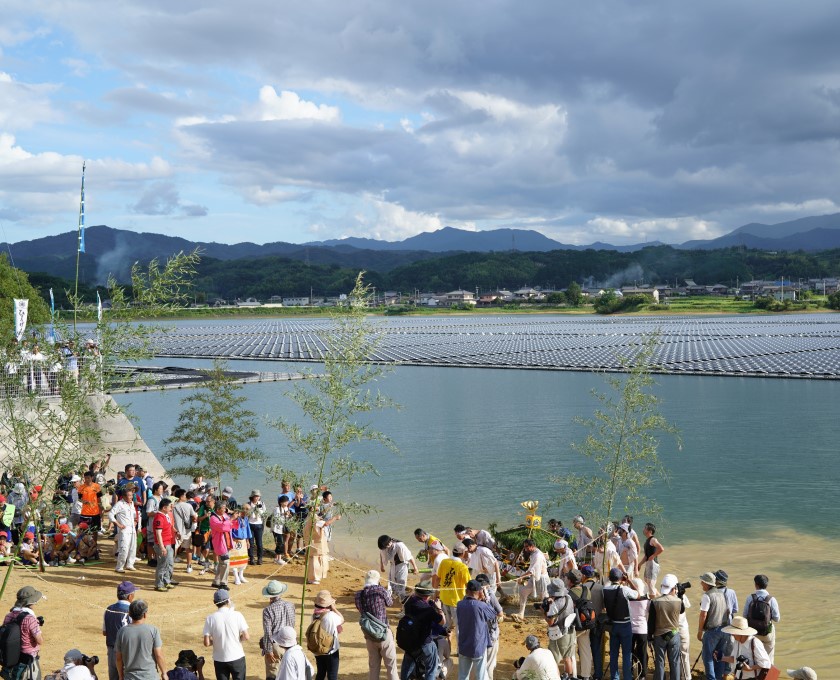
column 112, row 251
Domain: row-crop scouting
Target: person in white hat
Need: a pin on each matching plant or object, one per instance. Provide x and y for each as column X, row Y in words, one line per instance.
column 584, row 538
column 372, row 601
column 804, row 673
column 567, row 557
column 664, row 621
column 295, row 664
column 745, row 647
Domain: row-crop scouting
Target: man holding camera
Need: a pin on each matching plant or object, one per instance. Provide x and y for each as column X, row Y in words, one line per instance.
column 559, row 610
column 748, row 654
column 77, row 666
column 616, row 597
column 664, row 627
column 474, row 618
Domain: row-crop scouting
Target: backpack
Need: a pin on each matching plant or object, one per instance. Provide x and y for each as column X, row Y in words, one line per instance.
column 318, row 640
column 585, row 615
column 10, row 641
column 759, row 615
column 410, row 636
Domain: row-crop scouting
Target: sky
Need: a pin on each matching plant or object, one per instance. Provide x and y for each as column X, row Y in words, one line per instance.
column 622, row 122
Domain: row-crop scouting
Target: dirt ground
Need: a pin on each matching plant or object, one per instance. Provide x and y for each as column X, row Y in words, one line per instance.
column 77, row 596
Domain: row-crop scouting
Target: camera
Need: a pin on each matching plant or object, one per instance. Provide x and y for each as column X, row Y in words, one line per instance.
column 682, row 587
column 90, row 660
column 40, row 620
column 545, row 605
column 740, row 661
column 518, row 663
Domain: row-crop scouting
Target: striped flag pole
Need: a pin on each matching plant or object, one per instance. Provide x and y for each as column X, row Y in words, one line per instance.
column 80, row 249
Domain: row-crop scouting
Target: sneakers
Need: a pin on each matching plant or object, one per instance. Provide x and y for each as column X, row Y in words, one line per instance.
column 162, row 589
column 243, row 579
column 70, row 560
column 237, row 582
column 189, row 569
column 132, row 568
column 119, row 571
column 169, row 586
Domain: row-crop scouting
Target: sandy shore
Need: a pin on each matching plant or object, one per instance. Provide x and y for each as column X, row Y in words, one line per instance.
column 804, row 573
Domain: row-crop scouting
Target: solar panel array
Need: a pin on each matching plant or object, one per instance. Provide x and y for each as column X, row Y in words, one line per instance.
column 788, row 346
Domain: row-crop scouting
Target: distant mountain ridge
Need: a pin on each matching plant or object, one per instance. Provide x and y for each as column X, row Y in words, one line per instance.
column 112, row 251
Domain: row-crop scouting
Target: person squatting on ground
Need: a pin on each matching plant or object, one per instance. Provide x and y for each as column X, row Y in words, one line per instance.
column 538, row 665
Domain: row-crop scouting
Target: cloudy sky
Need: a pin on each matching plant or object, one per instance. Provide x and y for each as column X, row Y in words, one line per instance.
column 613, row 121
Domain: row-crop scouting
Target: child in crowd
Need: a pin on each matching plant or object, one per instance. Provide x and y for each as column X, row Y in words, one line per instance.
column 282, row 515
column 29, row 549
column 87, row 548
column 242, row 535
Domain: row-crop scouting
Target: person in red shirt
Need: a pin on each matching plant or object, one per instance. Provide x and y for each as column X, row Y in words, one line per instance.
column 164, row 545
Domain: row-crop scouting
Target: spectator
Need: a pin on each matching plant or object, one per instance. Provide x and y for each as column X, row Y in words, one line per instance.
column 331, row 623
column 256, row 518
column 538, row 665
column 74, row 667
column 187, row 667
column 278, row 614
column 768, row 639
column 714, row 615
column 164, row 543
column 139, row 649
column 746, row 646
column 663, row 627
column 423, row 661
column 295, row 665
column 617, row 603
column 373, row 600
column 220, row 528
column 225, row 630
column 28, row 667
column 474, row 618
column 124, row 517
column 116, row 618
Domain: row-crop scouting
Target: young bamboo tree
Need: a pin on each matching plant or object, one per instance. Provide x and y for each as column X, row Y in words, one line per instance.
column 621, row 450
column 334, row 400
column 52, row 407
column 214, row 429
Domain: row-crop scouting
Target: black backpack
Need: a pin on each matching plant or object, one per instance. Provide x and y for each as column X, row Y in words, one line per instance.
column 759, row 615
column 410, row 634
column 585, row 615
column 10, row 641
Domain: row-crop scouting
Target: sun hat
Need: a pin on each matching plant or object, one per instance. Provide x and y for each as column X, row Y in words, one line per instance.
column 324, row 599
column 274, row 589
column 186, row 659
column 126, row 587
column 668, row 583
column 28, row 596
column 708, row 578
column 73, row 655
column 424, row 588
column 560, row 544
column 286, row 637
column 372, row 578
column 221, row 595
column 255, row 492
column 804, row 673
column 532, row 642
column 227, row 491
column 739, row 626
column 721, row 577
column 20, row 488
column 556, row 589
column 74, row 478
column 624, row 527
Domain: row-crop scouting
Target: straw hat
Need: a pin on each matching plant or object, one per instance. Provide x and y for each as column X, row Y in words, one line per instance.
column 640, row 587
column 324, row 599
column 739, row 626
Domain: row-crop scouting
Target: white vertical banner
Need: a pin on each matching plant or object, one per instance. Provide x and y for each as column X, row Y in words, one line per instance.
column 21, row 315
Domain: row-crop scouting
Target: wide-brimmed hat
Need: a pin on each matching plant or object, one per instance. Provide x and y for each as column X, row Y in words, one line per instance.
column 286, row 637
column 708, row 578
column 255, row 492
column 721, row 577
column 324, row 599
column 274, row 589
column 556, row 588
column 804, row 673
column 27, row 596
column 186, row 659
column 372, row 578
column 739, row 626
column 424, row 588
column 640, row 587
column 227, row 491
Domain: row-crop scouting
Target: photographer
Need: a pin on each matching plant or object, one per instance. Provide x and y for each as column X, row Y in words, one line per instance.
column 77, row 666
column 559, row 610
column 187, row 667
column 27, row 667
column 664, row 629
column 616, row 602
column 748, row 654
column 538, row 664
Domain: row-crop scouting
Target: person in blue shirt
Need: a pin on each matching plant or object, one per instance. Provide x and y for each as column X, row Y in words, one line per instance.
column 474, row 619
column 769, row 639
column 116, row 617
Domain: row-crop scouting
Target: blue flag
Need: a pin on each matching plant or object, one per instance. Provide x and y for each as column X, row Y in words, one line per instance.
column 51, row 339
column 82, row 214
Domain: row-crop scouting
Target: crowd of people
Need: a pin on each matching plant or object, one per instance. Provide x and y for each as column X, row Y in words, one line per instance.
column 597, row 591
column 30, row 366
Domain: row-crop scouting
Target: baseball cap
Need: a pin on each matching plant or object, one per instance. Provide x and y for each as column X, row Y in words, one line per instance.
column 624, row 527
column 221, row 595
column 616, row 574
column 73, row 655
column 227, row 491
column 473, row 586
column 587, row 570
column 127, row 587
column 532, row 642
column 668, row 583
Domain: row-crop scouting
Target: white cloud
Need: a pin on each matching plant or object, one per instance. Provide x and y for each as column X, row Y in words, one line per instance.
column 24, row 105
column 622, row 231
column 381, row 219
column 260, row 196
column 816, row 206
column 289, row 106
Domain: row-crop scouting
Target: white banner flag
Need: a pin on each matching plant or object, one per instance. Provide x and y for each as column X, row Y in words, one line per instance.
column 21, row 314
